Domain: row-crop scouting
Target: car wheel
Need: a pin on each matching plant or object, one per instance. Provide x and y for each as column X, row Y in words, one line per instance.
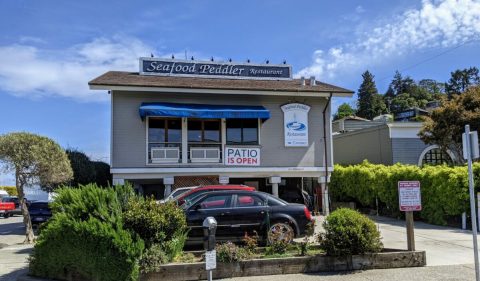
column 280, row 231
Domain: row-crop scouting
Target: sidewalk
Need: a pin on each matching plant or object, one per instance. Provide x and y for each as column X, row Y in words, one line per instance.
column 13, row 254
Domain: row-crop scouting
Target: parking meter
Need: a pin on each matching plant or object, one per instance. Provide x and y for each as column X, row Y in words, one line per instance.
column 209, row 228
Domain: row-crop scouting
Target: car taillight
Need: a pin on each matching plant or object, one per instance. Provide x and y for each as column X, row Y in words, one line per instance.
column 307, row 213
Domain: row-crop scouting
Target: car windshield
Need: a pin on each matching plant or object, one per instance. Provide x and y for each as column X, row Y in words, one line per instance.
column 178, row 192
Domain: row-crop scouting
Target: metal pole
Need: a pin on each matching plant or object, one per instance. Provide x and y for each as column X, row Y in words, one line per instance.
column 478, row 210
column 472, row 201
column 209, row 275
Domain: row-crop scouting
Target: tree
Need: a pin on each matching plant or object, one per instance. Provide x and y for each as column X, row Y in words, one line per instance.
column 33, row 159
column 446, row 124
column 460, row 80
column 370, row 103
column 344, row 110
column 83, row 168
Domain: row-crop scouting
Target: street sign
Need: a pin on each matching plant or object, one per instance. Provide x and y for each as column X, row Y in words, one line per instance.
column 210, row 260
column 409, row 196
column 474, row 149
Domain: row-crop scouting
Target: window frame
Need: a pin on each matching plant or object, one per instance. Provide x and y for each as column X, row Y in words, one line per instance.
column 202, row 122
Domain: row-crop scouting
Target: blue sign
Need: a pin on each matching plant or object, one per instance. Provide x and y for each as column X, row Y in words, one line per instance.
column 167, row 67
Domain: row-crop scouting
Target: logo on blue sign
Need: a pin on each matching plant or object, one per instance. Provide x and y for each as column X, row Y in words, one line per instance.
column 296, row 126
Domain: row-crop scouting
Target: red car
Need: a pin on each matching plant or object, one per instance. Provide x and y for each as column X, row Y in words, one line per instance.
column 201, row 190
column 6, row 207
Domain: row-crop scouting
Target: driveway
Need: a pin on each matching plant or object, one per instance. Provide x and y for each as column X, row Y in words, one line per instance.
column 13, row 254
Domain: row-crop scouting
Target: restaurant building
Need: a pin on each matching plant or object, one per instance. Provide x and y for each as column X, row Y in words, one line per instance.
column 182, row 123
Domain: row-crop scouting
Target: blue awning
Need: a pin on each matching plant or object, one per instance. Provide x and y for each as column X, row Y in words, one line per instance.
column 205, row 111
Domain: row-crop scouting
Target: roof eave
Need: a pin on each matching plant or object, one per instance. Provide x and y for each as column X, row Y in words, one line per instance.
column 219, row 91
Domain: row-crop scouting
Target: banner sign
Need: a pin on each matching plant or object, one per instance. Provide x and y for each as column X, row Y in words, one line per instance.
column 242, row 156
column 409, row 196
column 186, row 68
column 295, row 124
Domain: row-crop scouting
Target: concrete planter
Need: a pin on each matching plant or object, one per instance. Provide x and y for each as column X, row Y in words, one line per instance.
column 319, row 263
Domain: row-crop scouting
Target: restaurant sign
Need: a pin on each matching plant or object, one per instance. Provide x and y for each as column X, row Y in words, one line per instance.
column 186, row 68
column 242, row 156
column 295, row 124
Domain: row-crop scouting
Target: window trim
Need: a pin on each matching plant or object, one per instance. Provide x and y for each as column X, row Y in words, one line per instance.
column 203, row 130
column 147, row 127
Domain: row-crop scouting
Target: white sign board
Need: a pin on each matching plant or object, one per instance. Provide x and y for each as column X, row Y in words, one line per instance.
column 295, row 124
column 474, row 149
column 409, row 196
column 241, row 156
column 210, row 260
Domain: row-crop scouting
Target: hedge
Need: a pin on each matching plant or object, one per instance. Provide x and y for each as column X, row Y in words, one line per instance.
column 444, row 189
column 11, row 190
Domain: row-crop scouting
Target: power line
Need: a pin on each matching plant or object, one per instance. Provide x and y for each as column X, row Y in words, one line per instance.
column 430, row 58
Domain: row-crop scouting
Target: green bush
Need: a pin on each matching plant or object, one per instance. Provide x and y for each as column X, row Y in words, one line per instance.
column 11, row 190
column 88, row 249
column 152, row 258
column 229, row 252
column 347, row 232
column 85, row 238
column 444, row 189
column 155, row 223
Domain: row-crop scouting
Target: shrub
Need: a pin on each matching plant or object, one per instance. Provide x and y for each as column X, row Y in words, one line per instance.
column 153, row 258
column 155, row 223
column 347, row 232
column 251, row 242
column 444, row 189
column 229, row 252
column 91, row 249
column 277, row 246
column 11, row 190
column 85, row 238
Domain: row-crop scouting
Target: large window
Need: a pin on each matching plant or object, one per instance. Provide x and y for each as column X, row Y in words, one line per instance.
column 204, row 131
column 242, row 131
column 164, row 130
column 164, row 140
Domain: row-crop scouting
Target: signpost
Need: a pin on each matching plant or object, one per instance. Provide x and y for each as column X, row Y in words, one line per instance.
column 410, row 200
column 471, row 151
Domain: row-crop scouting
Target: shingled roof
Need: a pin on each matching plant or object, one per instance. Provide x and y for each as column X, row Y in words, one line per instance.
column 115, row 79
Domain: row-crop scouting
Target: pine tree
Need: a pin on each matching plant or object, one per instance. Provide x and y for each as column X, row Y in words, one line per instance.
column 370, row 103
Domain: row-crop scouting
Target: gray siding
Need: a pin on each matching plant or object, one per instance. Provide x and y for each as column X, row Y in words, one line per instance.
column 129, row 131
column 372, row 144
column 407, row 151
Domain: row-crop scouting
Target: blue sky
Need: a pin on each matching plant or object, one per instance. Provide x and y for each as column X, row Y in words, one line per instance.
column 49, row 50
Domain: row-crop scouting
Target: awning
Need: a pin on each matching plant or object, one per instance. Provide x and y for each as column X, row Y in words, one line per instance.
column 205, row 111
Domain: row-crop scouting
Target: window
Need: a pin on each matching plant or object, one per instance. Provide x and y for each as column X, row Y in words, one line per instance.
column 164, row 140
column 242, row 131
column 436, row 156
column 249, row 201
column 204, row 131
column 164, row 130
column 215, row 202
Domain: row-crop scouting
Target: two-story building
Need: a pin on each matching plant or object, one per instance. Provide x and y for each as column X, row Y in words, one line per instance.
column 184, row 123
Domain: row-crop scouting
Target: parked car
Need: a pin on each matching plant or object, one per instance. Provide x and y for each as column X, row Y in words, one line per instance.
column 190, row 195
column 5, row 207
column 295, row 195
column 17, row 210
column 40, row 212
column 176, row 193
column 239, row 212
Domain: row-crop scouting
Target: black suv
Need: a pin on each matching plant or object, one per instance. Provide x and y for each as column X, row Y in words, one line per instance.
column 39, row 211
column 245, row 212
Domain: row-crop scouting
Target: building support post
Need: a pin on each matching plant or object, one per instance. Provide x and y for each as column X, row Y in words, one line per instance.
column 168, row 182
column 325, row 200
column 275, row 181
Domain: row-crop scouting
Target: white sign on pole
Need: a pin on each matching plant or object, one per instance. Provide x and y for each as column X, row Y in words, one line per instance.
column 295, row 124
column 409, row 196
column 242, row 156
column 210, row 260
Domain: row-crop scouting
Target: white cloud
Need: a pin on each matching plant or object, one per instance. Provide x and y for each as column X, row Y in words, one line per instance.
column 32, row 72
column 436, row 24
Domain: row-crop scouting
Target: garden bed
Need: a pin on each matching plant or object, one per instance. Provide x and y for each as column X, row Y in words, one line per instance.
column 289, row 265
